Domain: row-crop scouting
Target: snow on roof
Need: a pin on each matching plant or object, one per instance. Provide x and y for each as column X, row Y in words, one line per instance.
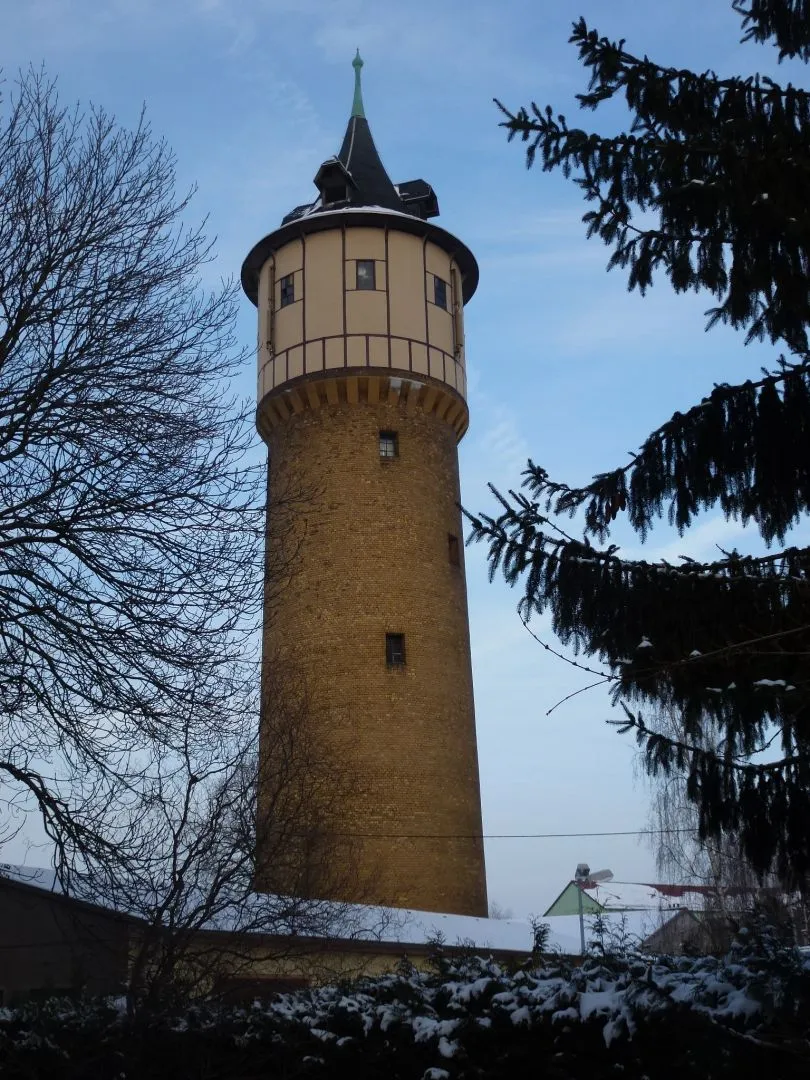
column 393, row 926
column 642, row 906
column 633, row 896
column 316, row 210
column 39, row 876
column 418, row 927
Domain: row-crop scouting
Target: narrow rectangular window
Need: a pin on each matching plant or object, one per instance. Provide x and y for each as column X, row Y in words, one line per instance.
column 366, row 278
column 389, row 445
column 440, row 292
column 453, row 552
column 395, row 650
column 287, row 290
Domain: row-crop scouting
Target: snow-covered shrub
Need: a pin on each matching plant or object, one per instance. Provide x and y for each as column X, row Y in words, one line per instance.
column 739, row 1017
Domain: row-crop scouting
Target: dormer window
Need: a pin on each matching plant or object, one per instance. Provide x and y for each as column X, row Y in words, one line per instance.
column 333, row 182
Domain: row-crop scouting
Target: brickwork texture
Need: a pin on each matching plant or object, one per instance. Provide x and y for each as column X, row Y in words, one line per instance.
column 372, row 557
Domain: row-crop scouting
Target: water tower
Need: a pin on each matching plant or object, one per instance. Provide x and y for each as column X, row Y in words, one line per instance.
column 362, row 402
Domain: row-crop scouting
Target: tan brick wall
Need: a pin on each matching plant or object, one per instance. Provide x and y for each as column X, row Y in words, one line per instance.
column 371, row 557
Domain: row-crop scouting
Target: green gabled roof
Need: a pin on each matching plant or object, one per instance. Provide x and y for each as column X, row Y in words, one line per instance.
column 567, row 903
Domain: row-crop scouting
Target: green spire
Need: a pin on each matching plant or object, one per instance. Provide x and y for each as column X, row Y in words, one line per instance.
column 357, row 104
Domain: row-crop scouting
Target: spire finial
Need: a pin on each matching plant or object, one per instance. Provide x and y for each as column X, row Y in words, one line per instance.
column 357, row 104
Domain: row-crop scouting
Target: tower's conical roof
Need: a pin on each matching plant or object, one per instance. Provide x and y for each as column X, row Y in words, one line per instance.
column 371, row 185
column 356, row 177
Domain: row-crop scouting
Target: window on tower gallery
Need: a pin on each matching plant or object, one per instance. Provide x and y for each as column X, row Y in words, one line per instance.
column 366, row 278
column 440, row 292
column 395, row 650
column 389, row 445
column 287, row 290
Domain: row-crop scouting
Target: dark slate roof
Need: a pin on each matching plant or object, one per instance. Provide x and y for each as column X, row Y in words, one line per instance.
column 358, row 154
column 368, row 184
column 419, row 198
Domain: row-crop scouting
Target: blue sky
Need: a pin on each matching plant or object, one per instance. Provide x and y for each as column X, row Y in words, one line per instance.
column 564, row 364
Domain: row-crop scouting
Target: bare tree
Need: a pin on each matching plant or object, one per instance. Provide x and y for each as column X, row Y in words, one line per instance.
column 134, row 555
column 496, row 911
column 191, row 862
column 727, row 889
column 130, row 507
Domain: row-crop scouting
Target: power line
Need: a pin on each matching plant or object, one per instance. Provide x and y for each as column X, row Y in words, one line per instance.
column 506, row 836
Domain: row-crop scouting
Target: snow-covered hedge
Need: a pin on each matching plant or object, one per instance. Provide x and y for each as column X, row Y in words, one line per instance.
column 745, row 1016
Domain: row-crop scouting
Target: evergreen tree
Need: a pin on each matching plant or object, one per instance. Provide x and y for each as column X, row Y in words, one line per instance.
column 722, row 166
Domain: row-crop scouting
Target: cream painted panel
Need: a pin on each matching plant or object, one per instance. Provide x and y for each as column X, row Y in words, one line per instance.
column 356, row 351
column 366, row 312
column 323, row 282
column 461, row 379
column 450, row 372
column 295, row 363
column 406, row 277
column 335, row 352
column 400, row 354
column 313, row 357
column 438, row 261
column 436, row 364
column 458, row 303
column 365, row 243
column 289, row 326
column 420, row 358
column 440, row 328
column 378, row 352
column 288, row 259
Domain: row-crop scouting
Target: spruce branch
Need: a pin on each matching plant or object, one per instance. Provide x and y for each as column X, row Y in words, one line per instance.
column 720, row 162
column 719, row 168
column 731, row 449
column 786, row 22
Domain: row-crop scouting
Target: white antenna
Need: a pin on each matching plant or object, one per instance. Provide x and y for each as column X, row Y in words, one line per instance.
column 584, row 879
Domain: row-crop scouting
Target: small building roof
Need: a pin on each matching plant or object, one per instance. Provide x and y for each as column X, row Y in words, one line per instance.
column 392, row 926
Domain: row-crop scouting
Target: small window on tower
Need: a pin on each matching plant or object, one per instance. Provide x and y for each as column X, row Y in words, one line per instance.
column 287, row 290
column 440, row 292
column 395, row 650
column 453, row 552
column 365, row 274
column 389, row 445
